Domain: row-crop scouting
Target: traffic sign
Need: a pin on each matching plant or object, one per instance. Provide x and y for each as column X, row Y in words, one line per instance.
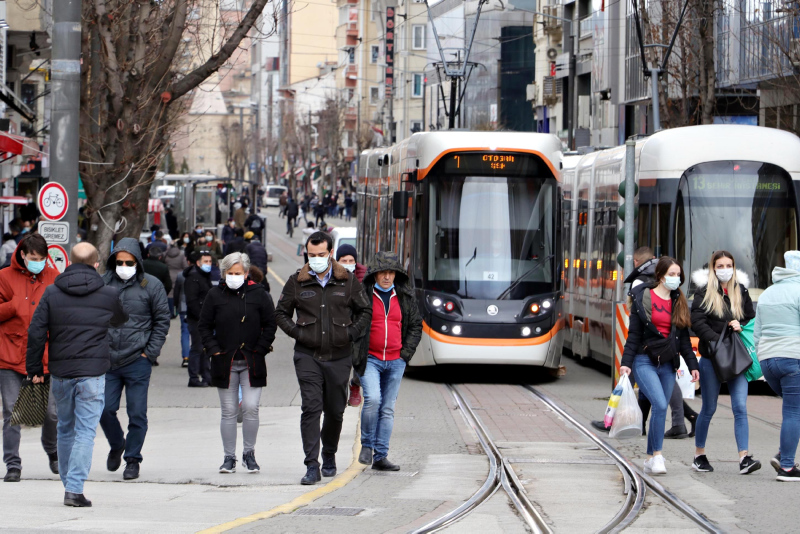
column 54, row 232
column 53, row 201
column 58, row 257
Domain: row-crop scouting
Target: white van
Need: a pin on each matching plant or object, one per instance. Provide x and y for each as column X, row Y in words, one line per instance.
column 343, row 235
column 273, row 196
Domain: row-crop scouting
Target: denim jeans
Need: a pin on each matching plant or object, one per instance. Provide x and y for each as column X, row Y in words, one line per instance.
column 79, row 402
column 783, row 376
column 186, row 340
column 10, row 384
column 381, row 383
column 229, row 403
column 656, row 382
column 135, row 378
column 709, row 386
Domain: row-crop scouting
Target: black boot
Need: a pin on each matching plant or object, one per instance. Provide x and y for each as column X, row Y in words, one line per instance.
column 131, row 470
column 53, row 461
column 691, row 415
column 676, row 432
column 312, row 476
column 77, row 500
column 115, row 458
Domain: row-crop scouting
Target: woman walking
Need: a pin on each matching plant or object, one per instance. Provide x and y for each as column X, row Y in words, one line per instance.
column 658, row 335
column 721, row 301
column 237, row 325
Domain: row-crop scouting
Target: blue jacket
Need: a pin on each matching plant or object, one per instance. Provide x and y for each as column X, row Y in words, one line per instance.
column 776, row 333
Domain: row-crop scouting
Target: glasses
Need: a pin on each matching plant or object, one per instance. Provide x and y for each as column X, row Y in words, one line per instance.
column 128, row 263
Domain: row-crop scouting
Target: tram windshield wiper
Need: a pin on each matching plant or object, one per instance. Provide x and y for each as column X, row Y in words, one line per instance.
column 519, row 280
column 474, row 255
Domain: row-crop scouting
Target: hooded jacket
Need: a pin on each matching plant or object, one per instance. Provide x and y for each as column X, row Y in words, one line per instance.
column 145, row 302
column 74, row 317
column 411, row 327
column 776, row 333
column 641, row 330
column 329, row 318
column 176, row 262
column 643, row 274
column 196, row 285
column 20, row 292
column 708, row 327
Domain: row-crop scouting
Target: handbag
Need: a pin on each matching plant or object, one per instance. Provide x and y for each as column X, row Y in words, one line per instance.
column 754, row 371
column 30, row 408
column 729, row 355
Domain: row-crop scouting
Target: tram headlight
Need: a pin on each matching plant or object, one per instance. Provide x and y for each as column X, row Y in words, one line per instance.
column 547, row 304
column 456, row 330
column 526, row 331
column 436, row 302
column 449, row 306
column 535, row 308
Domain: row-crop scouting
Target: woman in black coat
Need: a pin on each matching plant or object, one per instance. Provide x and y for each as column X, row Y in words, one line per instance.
column 237, row 325
column 721, row 301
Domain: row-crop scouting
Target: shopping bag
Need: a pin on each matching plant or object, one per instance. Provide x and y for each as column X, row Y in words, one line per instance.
column 746, row 335
column 613, row 402
column 684, row 379
column 31, row 405
column 628, row 417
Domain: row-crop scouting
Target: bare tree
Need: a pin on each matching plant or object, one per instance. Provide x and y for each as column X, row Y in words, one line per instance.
column 136, row 73
column 331, row 134
column 234, row 148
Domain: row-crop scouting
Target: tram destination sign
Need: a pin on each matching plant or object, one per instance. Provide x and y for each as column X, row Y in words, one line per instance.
column 746, row 185
column 493, row 163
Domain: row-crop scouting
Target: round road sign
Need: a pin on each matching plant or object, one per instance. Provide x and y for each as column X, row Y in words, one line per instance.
column 53, row 201
column 58, row 257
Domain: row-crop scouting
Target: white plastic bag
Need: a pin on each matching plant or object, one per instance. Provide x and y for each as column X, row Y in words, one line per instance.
column 628, row 418
column 684, row 379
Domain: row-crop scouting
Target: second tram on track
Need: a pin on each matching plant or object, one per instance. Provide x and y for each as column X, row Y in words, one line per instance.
column 701, row 189
column 475, row 218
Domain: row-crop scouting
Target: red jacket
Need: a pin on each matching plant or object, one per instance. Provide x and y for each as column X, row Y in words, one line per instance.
column 20, row 292
column 361, row 271
column 386, row 331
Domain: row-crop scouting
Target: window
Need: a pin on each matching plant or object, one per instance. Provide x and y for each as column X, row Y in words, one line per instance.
column 418, row 37
column 416, row 87
column 374, row 95
column 351, row 56
column 375, row 52
column 416, row 126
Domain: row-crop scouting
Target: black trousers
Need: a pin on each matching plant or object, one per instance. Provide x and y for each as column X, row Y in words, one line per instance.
column 199, row 363
column 323, row 389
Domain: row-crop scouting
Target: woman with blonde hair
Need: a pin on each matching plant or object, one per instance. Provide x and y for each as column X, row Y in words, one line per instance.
column 721, row 301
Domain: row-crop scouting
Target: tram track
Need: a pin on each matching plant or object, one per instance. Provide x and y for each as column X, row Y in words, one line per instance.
column 503, row 475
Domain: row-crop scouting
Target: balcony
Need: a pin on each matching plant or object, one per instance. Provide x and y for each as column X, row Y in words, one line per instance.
column 350, row 114
column 586, row 27
column 552, row 24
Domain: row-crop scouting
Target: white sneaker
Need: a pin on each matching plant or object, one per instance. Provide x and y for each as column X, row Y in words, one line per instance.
column 655, row 466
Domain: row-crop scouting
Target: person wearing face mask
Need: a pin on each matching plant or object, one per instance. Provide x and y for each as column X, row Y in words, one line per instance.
column 332, row 311
column 135, row 347
column 21, row 288
column 721, row 301
column 658, row 334
column 196, row 285
column 237, row 325
column 227, row 231
column 346, row 256
column 213, row 246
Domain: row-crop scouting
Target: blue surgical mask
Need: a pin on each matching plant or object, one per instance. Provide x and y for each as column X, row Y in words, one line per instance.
column 36, row 267
column 379, row 288
column 318, row 265
column 672, row 282
column 205, row 268
column 25, row 230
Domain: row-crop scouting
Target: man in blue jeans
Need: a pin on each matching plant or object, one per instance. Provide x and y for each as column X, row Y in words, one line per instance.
column 380, row 356
column 135, row 347
column 74, row 315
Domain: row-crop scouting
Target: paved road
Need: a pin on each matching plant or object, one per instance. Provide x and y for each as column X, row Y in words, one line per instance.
column 181, row 491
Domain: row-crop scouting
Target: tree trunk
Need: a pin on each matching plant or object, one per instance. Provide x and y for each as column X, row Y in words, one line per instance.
column 708, row 76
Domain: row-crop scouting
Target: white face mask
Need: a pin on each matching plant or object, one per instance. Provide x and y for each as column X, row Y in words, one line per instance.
column 234, row 281
column 318, row 265
column 672, row 282
column 125, row 272
column 723, row 275
column 350, row 267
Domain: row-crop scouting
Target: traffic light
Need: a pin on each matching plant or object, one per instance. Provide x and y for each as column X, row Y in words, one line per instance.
column 621, row 215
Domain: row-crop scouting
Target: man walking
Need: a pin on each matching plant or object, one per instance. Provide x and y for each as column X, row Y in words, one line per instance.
column 196, row 285
column 381, row 355
column 332, row 311
column 73, row 316
column 135, row 347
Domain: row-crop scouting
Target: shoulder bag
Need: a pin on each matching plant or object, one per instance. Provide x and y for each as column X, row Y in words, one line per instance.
column 661, row 350
column 729, row 355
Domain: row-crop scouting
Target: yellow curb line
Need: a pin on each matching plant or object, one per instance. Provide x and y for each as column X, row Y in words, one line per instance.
column 276, row 277
column 303, row 500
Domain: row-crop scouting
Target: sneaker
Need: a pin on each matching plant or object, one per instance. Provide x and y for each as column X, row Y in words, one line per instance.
column 747, row 465
column 775, row 462
column 249, row 462
column 312, row 476
column 355, row 396
column 789, row 476
column 185, row 362
column 131, row 471
column 655, row 466
column 228, row 465
column 600, row 426
column 701, row 464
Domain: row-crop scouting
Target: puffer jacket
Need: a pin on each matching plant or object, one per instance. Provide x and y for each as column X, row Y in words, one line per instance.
column 641, row 330
column 20, row 293
column 258, row 254
column 329, row 319
column 176, row 262
column 707, row 327
column 411, row 329
column 145, row 302
column 776, row 333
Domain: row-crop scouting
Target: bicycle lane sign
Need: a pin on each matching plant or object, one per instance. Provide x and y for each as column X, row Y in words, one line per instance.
column 53, row 201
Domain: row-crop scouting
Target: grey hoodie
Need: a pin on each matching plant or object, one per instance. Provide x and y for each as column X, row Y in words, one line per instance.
column 776, row 333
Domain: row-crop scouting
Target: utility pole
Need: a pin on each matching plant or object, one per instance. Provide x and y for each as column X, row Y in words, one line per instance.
column 257, row 139
column 242, row 152
column 65, row 107
column 572, row 86
column 269, row 127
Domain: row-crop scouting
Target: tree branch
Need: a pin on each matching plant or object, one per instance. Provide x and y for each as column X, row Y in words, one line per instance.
column 172, row 41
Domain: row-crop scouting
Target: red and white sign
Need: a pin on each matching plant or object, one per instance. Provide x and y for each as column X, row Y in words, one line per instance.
column 58, row 258
column 53, row 201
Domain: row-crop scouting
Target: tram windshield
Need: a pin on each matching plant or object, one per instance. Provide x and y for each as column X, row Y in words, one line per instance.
column 491, row 237
column 745, row 207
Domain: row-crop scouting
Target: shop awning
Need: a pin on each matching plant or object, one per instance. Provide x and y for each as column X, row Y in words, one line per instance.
column 21, row 201
column 18, row 145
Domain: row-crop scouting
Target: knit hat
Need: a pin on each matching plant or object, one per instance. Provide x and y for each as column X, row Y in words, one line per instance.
column 792, row 259
column 249, row 235
column 346, row 250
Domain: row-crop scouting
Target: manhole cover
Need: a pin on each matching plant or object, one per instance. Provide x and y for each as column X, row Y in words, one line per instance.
column 329, row 511
column 393, row 473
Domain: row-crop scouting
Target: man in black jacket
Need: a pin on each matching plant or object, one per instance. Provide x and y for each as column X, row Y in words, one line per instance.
column 74, row 315
column 135, row 347
column 332, row 311
column 196, row 285
column 154, row 264
column 255, row 224
column 256, row 251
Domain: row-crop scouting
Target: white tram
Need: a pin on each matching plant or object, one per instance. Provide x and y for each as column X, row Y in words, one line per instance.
column 701, row 189
column 475, row 219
